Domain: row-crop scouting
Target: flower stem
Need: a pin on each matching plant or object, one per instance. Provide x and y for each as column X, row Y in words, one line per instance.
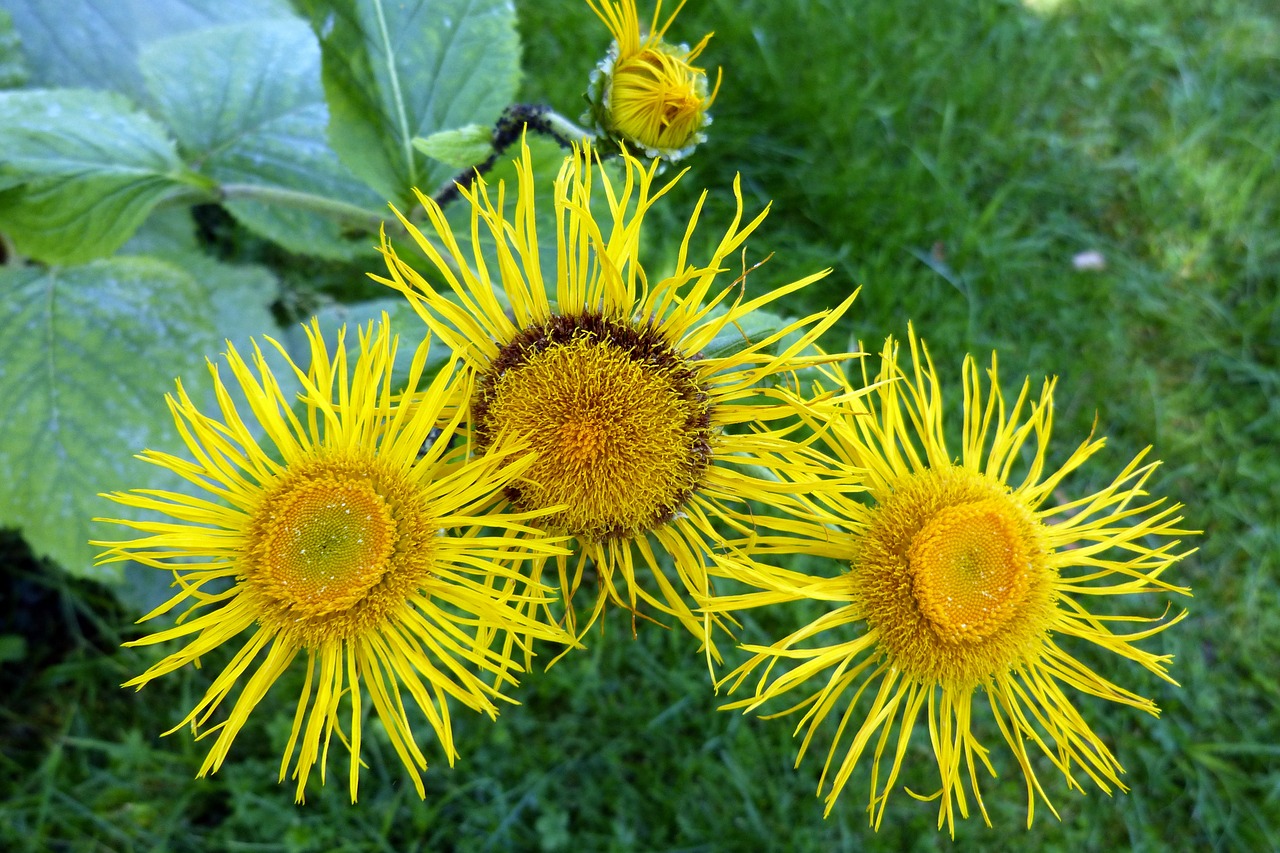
column 562, row 130
column 296, row 198
column 204, row 191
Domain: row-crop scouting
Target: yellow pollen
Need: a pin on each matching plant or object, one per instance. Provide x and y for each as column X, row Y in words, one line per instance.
column 970, row 569
column 620, row 430
column 326, row 545
column 582, row 439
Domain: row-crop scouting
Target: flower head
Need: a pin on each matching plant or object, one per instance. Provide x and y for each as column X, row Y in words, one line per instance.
column 610, row 375
column 647, row 93
column 356, row 538
column 962, row 580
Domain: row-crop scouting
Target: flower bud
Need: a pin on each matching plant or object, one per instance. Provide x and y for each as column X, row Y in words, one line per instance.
column 646, row 93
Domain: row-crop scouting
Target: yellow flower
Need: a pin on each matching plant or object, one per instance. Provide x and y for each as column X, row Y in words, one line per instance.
column 641, row 430
column 645, row 92
column 963, row 580
column 355, row 537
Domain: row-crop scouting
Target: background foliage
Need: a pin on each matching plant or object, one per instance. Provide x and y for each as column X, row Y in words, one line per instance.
column 193, row 170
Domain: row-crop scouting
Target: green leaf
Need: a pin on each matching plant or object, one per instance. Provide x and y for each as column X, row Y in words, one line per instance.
column 90, row 352
column 458, row 148
column 240, row 297
column 94, row 43
column 246, row 104
column 238, row 301
column 394, row 71
column 167, row 232
column 79, row 172
column 13, row 65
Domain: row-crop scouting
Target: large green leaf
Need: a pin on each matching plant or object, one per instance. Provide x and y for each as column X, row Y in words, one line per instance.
column 241, row 297
column 80, row 171
column 394, row 71
column 94, row 43
column 166, row 232
column 89, row 353
column 247, row 106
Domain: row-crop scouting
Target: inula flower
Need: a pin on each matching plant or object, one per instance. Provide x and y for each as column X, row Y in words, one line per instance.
column 617, row 378
column 647, row 93
column 964, row 580
column 353, row 538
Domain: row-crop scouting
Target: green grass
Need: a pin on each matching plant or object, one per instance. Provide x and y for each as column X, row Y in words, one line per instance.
column 950, row 159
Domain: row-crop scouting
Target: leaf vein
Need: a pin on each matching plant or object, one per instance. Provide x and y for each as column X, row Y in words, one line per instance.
column 406, row 138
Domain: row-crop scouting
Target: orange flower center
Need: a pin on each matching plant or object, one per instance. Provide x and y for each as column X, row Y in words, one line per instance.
column 327, row 546
column 970, row 569
column 582, row 439
column 614, row 415
column 954, row 573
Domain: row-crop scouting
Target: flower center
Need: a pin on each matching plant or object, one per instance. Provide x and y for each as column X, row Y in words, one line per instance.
column 617, row 422
column 327, row 545
column 953, row 572
column 582, row 440
column 969, row 569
